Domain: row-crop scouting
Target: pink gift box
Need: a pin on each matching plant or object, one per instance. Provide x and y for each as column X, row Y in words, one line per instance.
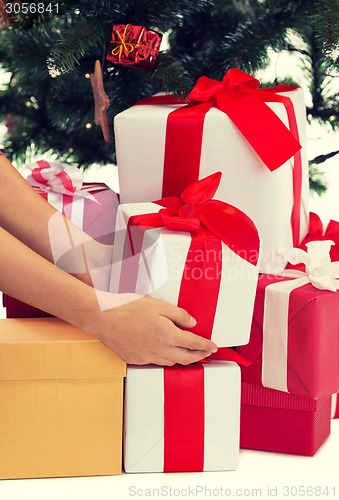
column 90, row 206
column 96, row 218
column 308, row 361
column 275, row 421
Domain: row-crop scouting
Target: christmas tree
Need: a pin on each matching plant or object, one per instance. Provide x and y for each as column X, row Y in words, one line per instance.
column 48, row 52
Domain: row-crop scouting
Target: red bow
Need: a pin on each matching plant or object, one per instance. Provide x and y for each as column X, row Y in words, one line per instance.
column 239, row 96
column 197, row 212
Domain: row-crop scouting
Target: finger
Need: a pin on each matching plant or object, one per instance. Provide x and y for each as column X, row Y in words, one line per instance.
column 178, row 315
column 163, row 362
column 185, row 357
column 189, row 340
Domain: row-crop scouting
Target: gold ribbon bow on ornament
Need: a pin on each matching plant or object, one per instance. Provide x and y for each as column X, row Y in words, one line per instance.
column 122, row 45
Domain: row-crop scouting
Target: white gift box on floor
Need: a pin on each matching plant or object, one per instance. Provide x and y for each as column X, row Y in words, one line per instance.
column 220, row 294
column 217, row 445
column 265, row 196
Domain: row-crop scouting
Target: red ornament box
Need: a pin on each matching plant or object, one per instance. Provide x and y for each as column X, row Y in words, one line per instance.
column 134, row 46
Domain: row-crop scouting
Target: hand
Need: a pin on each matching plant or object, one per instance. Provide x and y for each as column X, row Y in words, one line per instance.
column 146, row 330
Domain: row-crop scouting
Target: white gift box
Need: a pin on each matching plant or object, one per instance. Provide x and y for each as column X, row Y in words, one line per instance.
column 265, row 196
column 144, row 437
column 158, row 269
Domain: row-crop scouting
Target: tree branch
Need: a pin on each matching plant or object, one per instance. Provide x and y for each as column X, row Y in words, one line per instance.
column 322, row 158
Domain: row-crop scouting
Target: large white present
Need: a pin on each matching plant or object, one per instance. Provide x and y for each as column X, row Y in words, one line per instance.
column 160, row 151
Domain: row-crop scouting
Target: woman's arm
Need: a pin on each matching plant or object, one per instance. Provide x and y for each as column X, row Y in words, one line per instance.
column 23, row 212
column 140, row 330
column 37, row 224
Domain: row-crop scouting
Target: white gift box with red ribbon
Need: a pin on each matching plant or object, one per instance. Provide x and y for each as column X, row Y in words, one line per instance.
column 266, row 197
column 181, row 418
column 91, row 207
column 213, row 281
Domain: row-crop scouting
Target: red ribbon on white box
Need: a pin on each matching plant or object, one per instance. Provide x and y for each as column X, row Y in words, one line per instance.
column 322, row 274
column 184, row 394
column 59, row 182
column 182, row 418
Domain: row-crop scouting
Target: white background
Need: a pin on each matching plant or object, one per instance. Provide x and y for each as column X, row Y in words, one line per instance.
column 257, row 471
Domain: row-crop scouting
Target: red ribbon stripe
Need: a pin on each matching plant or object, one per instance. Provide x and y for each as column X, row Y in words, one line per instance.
column 184, row 418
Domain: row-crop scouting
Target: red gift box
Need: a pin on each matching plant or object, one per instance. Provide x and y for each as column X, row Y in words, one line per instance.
column 285, row 423
column 311, row 352
column 90, row 206
column 17, row 309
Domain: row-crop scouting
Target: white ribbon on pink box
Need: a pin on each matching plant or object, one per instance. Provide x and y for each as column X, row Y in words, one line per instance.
column 323, row 275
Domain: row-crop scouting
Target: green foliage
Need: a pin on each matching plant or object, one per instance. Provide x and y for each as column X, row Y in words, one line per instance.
column 325, row 19
column 317, row 184
column 171, row 77
column 64, row 42
column 76, row 38
column 48, row 102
